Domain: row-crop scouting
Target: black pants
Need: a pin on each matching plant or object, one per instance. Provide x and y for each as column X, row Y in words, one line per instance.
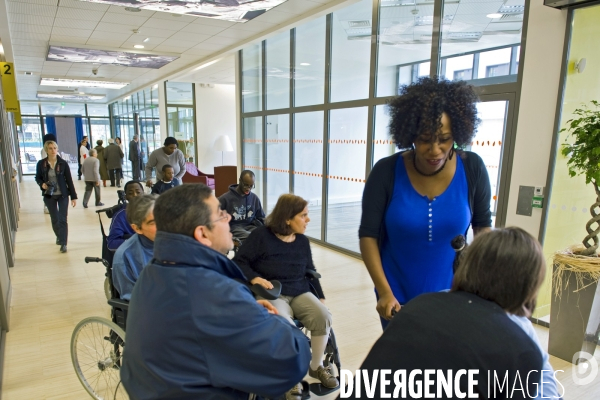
column 89, row 186
column 79, row 170
column 115, row 173
column 58, row 208
column 135, row 169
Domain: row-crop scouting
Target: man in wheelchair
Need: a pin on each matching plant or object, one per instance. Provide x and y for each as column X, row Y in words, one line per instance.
column 193, row 331
column 133, row 255
column 244, row 207
column 120, row 229
column 280, row 251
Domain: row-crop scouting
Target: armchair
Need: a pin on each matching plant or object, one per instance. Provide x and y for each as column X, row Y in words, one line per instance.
column 194, row 175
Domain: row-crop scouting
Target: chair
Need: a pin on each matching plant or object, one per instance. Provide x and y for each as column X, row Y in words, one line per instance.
column 224, row 177
column 194, row 175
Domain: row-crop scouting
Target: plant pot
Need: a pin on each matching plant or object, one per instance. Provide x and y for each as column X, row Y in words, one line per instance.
column 574, row 316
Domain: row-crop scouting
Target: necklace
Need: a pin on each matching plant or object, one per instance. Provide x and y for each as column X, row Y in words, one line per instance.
column 423, row 173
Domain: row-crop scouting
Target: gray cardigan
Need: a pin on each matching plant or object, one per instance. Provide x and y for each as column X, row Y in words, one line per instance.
column 91, row 169
column 158, row 158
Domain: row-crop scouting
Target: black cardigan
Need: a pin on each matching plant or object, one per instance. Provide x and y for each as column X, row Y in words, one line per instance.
column 453, row 331
column 380, row 188
column 63, row 176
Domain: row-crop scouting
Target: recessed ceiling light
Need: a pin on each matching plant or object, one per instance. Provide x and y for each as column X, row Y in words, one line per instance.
column 146, row 40
column 85, row 83
column 494, row 15
column 27, row 73
column 139, row 46
column 305, row 64
column 70, row 96
column 132, row 9
column 155, row 86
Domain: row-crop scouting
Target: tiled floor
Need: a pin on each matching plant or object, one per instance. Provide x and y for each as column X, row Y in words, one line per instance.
column 52, row 292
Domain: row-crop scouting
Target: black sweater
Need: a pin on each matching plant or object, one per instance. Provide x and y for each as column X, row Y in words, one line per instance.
column 265, row 255
column 454, row 331
column 63, row 176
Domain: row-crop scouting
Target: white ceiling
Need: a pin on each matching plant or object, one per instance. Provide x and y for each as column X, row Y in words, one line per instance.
column 35, row 24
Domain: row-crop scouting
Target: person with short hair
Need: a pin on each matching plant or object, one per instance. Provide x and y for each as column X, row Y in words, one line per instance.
column 113, row 155
column 469, row 328
column 135, row 157
column 53, row 176
column 280, row 251
column 91, row 177
column 194, row 331
column 103, row 170
column 168, row 154
column 244, row 206
column 133, row 255
column 120, row 228
column 167, row 182
column 83, row 154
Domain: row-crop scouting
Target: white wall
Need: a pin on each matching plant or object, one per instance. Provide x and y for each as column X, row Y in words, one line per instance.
column 162, row 111
column 537, row 108
column 215, row 116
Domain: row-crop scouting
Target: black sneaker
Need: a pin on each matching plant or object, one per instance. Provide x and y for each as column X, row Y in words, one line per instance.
column 99, row 204
column 63, row 248
column 85, row 206
column 58, row 241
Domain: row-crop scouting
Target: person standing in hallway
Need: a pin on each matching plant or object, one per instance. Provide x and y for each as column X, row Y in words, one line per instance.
column 83, row 154
column 91, row 176
column 168, row 154
column 120, row 144
column 416, row 201
column 103, row 170
column 53, row 176
column 46, row 138
column 113, row 155
column 135, row 157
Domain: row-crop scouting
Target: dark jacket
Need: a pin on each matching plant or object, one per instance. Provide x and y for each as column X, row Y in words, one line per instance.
column 451, row 332
column 103, row 170
column 134, row 151
column 244, row 209
column 193, row 332
column 380, row 188
column 63, row 176
column 113, row 155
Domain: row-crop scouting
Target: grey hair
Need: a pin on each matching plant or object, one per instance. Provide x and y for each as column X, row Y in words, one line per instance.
column 139, row 208
column 93, row 152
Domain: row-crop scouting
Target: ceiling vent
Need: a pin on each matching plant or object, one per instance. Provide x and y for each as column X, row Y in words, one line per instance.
column 132, row 9
column 508, row 9
column 359, row 24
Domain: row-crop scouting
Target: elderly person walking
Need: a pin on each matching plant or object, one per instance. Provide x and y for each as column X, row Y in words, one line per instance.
column 168, row 154
column 91, row 176
column 103, row 170
column 113, row 155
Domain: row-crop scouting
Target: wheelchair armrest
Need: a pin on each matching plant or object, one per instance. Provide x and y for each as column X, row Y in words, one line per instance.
column 311, row 274
column 269, row 294
column 119, row 303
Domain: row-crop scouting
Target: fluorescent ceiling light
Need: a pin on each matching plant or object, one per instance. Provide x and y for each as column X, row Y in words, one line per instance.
column 70, row 96
column 82, row 83
column 207, row 64
column 305, row 64
column 228, row 10
column 139, row 46
column 494, row 15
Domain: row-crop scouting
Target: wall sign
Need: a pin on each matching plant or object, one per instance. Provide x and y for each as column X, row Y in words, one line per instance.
column 9, row 87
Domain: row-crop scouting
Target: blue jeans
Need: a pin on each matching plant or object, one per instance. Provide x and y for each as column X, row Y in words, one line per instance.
column 58, row 208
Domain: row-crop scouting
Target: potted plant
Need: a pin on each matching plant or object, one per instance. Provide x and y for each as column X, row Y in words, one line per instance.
column 576, row 270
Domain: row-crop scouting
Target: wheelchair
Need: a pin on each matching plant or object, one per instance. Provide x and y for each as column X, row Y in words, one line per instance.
column 97, row 346
column 332, row 354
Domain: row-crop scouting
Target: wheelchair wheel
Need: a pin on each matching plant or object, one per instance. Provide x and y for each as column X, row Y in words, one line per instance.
column 96, row 352
column 107, row 290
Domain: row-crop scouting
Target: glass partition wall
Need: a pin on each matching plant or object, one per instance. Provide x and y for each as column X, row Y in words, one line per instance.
column 181, row 120
column 314, row 120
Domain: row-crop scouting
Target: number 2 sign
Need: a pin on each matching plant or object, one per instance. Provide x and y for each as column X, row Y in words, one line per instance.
column 9, row 87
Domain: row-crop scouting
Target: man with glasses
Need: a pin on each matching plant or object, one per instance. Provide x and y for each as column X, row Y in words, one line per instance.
column 244, row 206
column 193, row 330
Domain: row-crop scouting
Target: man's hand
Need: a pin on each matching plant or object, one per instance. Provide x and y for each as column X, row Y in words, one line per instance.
column 270, row 307
column 149, row 183
column 322, row 301
column 262, row 282
column 98, row 183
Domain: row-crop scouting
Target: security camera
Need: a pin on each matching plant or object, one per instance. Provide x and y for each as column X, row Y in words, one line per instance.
column 95, row 71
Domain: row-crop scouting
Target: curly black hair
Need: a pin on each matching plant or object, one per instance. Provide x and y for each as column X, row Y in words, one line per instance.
column 418, row 108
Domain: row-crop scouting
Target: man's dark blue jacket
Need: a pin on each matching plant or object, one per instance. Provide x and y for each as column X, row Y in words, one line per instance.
column 193, row 332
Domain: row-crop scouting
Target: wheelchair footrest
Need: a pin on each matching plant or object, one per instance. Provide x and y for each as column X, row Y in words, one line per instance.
column 321, row 390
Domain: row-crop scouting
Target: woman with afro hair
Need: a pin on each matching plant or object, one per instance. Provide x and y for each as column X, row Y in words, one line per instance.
column 416, row 201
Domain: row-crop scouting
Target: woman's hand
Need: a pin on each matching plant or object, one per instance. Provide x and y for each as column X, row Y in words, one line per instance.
column 73, row 203
column 386, row 304
column 44, row 186
column 322, row 301
column 262, row 282
column 270, row 307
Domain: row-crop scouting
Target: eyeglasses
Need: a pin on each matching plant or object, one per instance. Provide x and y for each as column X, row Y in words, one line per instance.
column 245, row 185
column 222, row 215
